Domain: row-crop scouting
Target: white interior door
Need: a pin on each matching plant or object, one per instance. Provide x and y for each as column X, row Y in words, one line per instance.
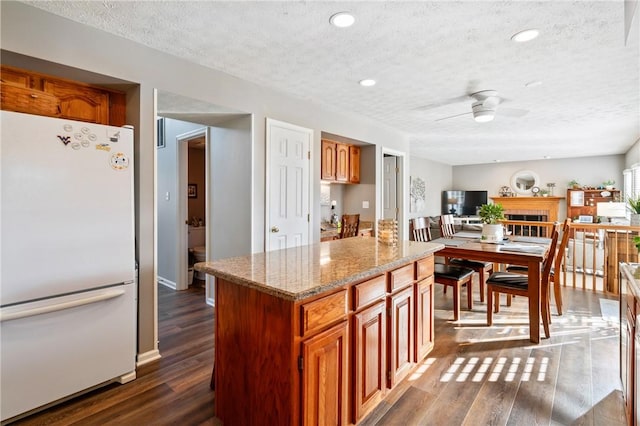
column 288, row 185
column 389, row 192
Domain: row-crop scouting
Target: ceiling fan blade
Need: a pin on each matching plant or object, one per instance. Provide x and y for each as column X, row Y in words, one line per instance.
column 512, row 112
column 453, row 116
column 455, row 100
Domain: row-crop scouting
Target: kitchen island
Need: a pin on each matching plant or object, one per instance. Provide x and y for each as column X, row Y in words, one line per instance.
column 319, row 334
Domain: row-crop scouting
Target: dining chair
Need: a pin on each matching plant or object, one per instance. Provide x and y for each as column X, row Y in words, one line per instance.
column 557, row 265
column 421, row 231
column 518, row 284
column 448, row 275
column 350, row 225
column 484, row 269
column 456, row 277
column 447, row 225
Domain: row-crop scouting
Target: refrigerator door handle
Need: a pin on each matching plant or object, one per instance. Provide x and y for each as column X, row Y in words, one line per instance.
column 16, row 312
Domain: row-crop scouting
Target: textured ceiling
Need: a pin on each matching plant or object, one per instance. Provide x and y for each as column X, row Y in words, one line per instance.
column 421, row 54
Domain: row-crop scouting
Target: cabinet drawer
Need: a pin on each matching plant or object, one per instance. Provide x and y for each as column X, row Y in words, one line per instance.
column 30, row 101
column 401, row 277
column 368, row 291
column 424, row 268
column 324, row 311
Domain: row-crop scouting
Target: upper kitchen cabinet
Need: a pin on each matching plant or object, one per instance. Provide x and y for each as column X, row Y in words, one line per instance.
column 354, row 164
column 340, row 162
column 328, row 160
column 41, row 94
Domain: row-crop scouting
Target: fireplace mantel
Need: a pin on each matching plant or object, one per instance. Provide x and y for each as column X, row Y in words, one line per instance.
column 546, row 206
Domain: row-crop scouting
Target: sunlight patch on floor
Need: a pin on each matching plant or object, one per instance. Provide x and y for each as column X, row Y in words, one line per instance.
column 428, row 362
column 477, row 369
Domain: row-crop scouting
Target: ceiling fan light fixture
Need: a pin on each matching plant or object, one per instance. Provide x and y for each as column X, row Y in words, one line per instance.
column 525, row 35
column 482, row 114
column 342, row 19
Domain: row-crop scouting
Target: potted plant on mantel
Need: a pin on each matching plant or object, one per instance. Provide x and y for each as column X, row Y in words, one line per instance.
column 634, row 206
column 490, row 215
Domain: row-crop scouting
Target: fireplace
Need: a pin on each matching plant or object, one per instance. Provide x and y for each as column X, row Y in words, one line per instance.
column 527, row 217
column 541, row 208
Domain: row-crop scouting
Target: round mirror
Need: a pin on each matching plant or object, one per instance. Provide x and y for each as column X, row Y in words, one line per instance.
column 523, row 181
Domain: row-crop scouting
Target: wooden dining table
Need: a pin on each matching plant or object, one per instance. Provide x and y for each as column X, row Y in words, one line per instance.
column 461, row 246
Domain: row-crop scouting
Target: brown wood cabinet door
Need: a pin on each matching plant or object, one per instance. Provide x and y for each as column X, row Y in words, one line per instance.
column 324, row 377
column 342, row 162
column 328, row 160
column 80, row 102
column 16, row 77
column 401, row 335
column 369, row 350
column 29, row 101
column 354, row 164
column 424, row 318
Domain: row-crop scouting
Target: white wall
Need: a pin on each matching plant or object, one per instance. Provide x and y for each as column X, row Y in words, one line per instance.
column 437, row 177
column 230, row 195
column 633, row 155
column 591, row 171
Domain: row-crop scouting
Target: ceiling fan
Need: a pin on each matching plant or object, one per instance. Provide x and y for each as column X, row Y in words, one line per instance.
column 484, row 106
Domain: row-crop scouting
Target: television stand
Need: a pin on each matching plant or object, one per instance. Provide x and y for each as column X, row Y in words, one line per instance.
column 466, row 220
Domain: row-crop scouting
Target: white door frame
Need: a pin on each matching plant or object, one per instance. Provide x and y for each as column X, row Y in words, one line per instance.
column 182, row 204
column 402, row 184
column 267, row 229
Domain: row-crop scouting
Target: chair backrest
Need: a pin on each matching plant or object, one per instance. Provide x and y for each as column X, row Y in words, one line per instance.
column 551, row 255
column 421, row 231
column 350, row 225
column 447, row 228
column 562, row 246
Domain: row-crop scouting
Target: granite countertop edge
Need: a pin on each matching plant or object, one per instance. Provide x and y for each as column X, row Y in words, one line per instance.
column 207, row 267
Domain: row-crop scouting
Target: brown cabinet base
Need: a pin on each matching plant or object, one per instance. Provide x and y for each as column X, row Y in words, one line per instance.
column 328, row 359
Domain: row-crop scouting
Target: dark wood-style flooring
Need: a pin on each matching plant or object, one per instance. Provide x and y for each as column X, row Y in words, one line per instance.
column 476, row 375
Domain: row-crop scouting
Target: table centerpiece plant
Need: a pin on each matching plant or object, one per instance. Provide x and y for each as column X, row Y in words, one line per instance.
column 490, row 216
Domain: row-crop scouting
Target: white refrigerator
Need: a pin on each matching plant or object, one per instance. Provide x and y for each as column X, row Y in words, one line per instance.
column 68, row 288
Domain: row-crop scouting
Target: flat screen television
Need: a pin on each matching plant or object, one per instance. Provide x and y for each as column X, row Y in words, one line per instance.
column 463, row 203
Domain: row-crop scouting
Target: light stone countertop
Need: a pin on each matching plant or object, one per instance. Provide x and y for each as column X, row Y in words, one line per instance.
column 300, row 272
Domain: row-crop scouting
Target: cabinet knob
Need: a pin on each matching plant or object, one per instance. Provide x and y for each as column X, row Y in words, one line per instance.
column 275, row 229
column 34, row 96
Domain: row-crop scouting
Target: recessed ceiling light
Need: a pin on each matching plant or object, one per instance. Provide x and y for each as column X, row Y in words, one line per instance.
column 534, row 83
column 526, row 35
column 367, row 82
column 342, row 20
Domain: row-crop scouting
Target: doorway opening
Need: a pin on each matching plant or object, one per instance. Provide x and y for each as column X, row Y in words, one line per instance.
column 193, row 169
column 393, row 189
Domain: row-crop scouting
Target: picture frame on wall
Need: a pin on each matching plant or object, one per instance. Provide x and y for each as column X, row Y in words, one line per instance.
column 192, row 190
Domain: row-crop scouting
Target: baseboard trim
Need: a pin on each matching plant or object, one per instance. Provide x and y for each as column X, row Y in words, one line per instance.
column 126, row 378
column 165, row 282
column 148, row 357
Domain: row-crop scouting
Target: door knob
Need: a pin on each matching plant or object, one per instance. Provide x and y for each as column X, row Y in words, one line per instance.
column 275, row 229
